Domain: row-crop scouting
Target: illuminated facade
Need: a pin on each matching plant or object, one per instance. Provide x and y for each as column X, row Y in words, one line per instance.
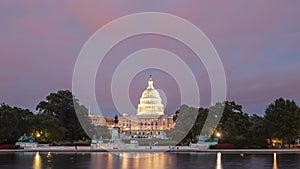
column 150, row 102
column 150, row 120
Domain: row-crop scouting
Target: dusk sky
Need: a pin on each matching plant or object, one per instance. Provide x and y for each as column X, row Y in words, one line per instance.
column 257, row 41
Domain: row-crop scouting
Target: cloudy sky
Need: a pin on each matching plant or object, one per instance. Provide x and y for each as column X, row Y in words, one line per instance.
column 257, row 41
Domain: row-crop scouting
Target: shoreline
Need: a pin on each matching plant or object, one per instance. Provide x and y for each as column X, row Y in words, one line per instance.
column 155, row 149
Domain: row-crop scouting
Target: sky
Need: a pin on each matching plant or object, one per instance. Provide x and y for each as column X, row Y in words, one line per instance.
column 257, row 41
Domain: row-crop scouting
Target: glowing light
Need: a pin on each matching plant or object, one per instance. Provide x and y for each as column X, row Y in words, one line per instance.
column 38, row 135
column 219, row 161
column 150, row 101
column 49, row 155
column 37, row 161
column 218, row 134
column 275, row 161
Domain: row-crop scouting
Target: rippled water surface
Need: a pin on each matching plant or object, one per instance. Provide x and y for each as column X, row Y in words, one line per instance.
column 159, row 161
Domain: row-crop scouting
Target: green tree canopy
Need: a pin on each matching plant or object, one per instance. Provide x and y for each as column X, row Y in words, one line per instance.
column 61, row 105
column 14, row 122
column 46, row 128
column 257, row 133
column 185, row 119
column 234, row 122
column 282, row 120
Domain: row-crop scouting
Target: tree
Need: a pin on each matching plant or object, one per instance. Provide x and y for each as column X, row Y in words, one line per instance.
column 189, row 124
column 197, row 126
column 234, row 125
column 46, row 128
column 14, row 122
column 257, row 133
column 282, row 120
column 185, row 120
column 62, row 105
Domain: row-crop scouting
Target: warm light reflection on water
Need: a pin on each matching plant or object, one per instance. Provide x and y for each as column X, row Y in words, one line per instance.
column 49, row 155
column 37, row 161
column 125, row 162
column 275, row 161
column 219, row 161
column 133, row 160
column 147, row 160
column 110, row 163
column 156, row 161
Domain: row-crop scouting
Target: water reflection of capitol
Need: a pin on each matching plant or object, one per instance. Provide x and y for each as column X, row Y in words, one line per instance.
column 150, row 120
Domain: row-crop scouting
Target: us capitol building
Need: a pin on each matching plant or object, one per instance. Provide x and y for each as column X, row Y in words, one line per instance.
column 149, row 122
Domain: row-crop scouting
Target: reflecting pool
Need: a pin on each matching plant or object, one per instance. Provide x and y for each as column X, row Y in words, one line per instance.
column 44, row 160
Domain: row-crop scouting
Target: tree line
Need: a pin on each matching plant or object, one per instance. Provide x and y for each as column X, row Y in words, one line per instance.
column 56, row 121
column 279, row 125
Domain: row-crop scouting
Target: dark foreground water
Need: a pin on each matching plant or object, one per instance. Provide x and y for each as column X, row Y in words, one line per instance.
column 159, row 161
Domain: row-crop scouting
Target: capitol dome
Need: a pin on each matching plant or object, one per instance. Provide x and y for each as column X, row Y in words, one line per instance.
column 150, row 102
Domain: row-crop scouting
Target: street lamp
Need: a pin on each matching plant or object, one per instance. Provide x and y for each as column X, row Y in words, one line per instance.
column 38, row 135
